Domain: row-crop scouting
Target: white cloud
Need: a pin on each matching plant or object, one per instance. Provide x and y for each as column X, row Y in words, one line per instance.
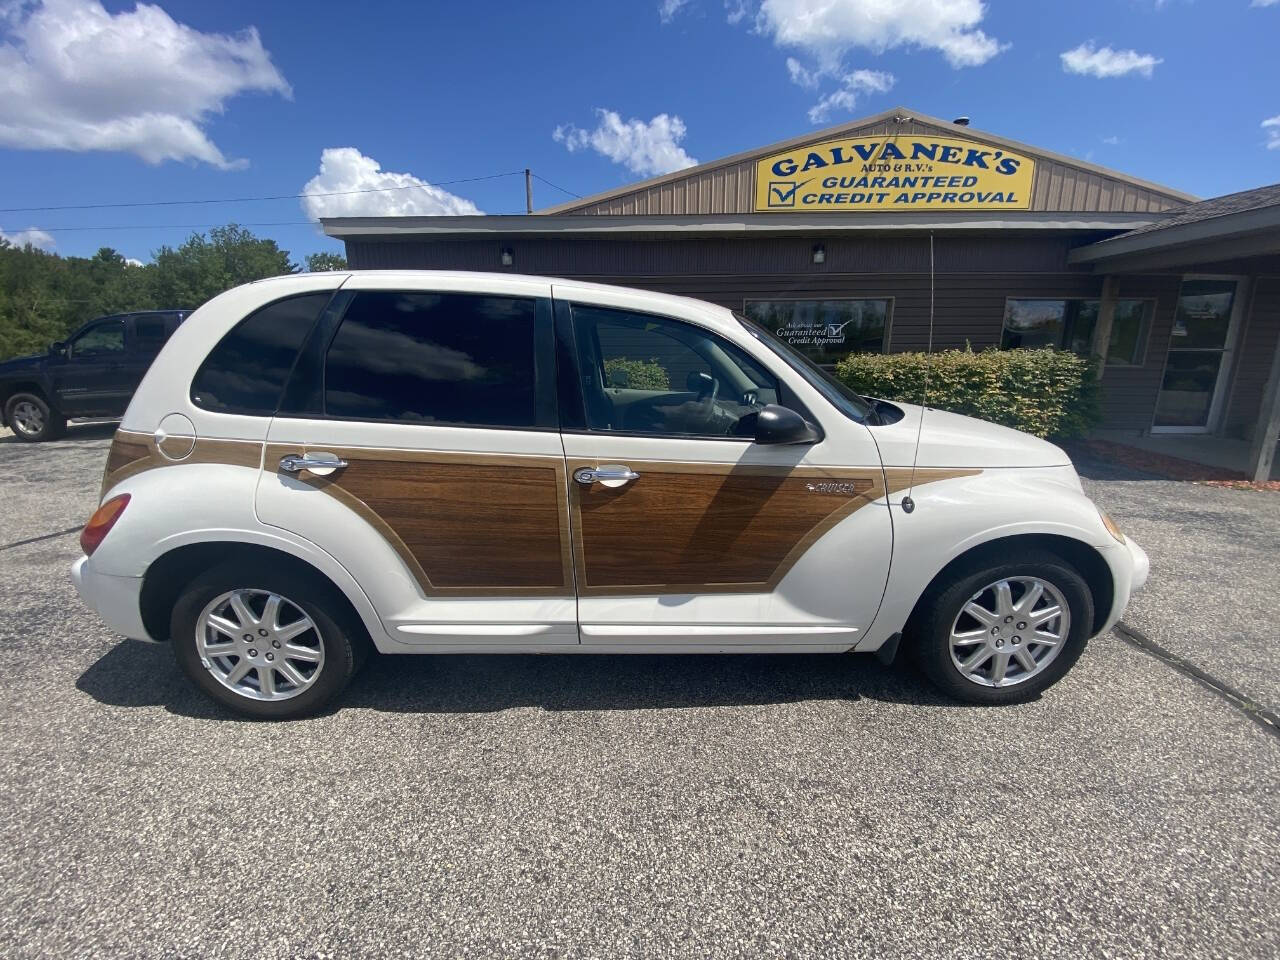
column 32, row 236
column 75, row 77
column 1105, row 62
column 1272, row 127
column 1111, row 141
column 801, row 76
column 735, row 11
column 853, row 86
column 131, row 262
column 668, row 9
column 345, row 170
column 1264, row 3
column 828, row 29
column 643, row 148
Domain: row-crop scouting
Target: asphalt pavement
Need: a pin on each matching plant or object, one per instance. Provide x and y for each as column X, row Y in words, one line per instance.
column 559, row 806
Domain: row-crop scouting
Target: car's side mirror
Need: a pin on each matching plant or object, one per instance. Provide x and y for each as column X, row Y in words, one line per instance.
column 777, row 424
column 57, row 347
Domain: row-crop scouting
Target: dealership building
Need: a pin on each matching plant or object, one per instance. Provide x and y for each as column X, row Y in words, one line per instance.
column 831, row 239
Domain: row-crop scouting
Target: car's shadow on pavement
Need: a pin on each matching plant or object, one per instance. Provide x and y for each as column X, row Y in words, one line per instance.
column 134, row 674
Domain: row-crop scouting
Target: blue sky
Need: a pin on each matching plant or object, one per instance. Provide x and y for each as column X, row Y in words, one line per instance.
column 102, row 104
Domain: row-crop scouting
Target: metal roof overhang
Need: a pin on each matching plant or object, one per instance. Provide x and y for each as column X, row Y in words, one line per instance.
column 725, row 225
column 1251, row 233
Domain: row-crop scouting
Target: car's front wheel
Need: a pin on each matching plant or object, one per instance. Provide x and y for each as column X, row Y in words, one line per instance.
column 1004, row 631
column 268, row 644
column 32, row 419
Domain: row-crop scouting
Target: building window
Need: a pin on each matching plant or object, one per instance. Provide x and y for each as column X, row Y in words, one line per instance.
column 826, row 331
column 1069, row 324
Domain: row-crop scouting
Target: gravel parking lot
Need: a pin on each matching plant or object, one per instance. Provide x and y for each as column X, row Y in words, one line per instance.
column 646, row 806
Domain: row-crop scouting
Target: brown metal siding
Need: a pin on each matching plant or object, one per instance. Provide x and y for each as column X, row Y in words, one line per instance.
column 731, row 188
column 1258, row 346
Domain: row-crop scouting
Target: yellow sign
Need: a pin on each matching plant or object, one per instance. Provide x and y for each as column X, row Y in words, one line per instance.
column 894, row 173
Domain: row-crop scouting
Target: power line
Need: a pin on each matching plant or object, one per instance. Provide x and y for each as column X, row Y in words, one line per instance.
column 210, row 226
column 289, row 196
column 180, row 226
column 560, row 188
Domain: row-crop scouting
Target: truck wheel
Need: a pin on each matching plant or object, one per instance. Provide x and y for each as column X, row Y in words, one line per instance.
column 32, row 419
column 1005, row 631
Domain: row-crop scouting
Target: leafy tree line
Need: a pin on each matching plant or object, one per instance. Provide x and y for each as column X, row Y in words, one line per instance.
column 44, row 296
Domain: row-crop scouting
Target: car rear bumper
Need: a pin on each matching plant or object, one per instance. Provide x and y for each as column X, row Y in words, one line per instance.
column 1141, row 565
column 116, row 599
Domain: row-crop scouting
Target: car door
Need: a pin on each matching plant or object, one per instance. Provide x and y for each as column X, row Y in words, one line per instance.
column 88, row 377
column 687, row 533
column 447, row 500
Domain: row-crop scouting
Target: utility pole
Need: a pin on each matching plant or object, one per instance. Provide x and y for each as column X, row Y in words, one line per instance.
column 528, row 190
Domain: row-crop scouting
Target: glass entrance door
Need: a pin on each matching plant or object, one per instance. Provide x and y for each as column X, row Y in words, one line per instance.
column 1199, row 350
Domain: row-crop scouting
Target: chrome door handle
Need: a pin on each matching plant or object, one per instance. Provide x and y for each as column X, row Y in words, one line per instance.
column 296, row 464
column 611, row 474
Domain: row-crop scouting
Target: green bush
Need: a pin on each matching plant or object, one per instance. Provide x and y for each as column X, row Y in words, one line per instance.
column 1050, row 393
column 636, row 374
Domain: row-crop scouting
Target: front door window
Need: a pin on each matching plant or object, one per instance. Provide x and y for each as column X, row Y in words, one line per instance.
column 1198, row 348
column 106, row 340
column 650, row 375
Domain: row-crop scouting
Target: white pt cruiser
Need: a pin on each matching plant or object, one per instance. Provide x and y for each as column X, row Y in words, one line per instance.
column 425, row 462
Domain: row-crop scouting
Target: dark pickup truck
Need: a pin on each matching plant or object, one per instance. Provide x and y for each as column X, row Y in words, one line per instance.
column 92, row 374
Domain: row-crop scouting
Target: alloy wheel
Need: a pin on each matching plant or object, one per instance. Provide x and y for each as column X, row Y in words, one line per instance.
column 259, row 644
column 1010, row 631
column 28, row 418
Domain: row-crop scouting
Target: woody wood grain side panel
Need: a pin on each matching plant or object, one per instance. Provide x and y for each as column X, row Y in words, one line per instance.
column 694, row 528
column 685, row 528
column 902, row 478
column 464, row 524
column 128, row 450
column 133, row 453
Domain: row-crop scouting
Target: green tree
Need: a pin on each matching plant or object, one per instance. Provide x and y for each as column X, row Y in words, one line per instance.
column 320, row 262
column 44, row 296
column 203, row 267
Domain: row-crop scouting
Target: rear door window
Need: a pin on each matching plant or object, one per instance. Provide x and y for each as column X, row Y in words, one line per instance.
column 247, row 370
column 438, row 358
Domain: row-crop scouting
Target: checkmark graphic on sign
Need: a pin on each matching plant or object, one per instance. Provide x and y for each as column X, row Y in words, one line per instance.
column 782, row 193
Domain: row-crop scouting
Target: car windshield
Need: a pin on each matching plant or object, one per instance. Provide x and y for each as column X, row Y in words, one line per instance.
column 839, row 395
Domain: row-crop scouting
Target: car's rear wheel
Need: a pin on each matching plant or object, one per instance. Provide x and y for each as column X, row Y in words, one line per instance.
column 32, row 419
column 1005, row 630
column 268, row 644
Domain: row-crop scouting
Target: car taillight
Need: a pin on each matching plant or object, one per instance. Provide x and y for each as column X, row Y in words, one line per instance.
column 100, row 524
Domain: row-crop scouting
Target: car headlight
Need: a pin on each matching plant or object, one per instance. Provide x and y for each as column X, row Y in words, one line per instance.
column 1111, row 526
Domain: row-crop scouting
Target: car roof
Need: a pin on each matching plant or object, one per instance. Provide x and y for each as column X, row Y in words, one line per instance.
column 142, row 313
column 611, row 294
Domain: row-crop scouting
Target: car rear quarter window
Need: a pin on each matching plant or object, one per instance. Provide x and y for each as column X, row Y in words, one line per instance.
column 246, row 371
column 152, row 330
column 440, row 358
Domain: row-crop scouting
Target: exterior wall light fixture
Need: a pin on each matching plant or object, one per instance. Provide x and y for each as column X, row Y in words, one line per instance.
column 508, row 257
column 819, row 253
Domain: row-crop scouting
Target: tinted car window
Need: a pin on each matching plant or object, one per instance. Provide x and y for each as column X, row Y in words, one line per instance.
column 434, row 358
column 152, row 330
column 653, row 375
column 102, row 340
column 246, row 371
